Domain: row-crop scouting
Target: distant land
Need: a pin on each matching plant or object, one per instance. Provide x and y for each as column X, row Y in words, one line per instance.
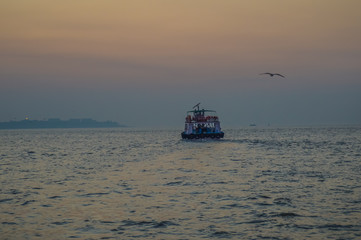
column 58, row 123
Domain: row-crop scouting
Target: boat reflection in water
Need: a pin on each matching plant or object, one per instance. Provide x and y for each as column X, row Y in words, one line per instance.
column 202, row 123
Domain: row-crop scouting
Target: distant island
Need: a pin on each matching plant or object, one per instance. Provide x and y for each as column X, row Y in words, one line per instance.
column 58, row 123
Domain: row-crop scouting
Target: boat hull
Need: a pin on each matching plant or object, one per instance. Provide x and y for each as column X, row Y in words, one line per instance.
column 203, row 135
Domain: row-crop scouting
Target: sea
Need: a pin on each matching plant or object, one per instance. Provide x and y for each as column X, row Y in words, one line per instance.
column 128, row 183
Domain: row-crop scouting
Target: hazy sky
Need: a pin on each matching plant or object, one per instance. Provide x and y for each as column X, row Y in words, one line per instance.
column 146, row 62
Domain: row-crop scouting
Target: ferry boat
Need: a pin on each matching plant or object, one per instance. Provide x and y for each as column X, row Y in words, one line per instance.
column 202, row 123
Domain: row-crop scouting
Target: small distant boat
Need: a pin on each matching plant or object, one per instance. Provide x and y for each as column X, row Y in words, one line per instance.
column 202, row 123
column 252, row 125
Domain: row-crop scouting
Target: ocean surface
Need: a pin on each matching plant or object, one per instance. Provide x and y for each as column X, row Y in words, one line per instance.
column 256, row 183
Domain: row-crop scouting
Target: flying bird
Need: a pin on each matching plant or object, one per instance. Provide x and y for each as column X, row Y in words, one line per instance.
column 273, row 74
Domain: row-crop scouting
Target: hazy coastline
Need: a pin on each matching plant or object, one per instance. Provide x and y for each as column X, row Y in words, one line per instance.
column 58, row 123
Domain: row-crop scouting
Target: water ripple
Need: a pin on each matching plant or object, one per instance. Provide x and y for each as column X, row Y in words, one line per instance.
column 271, row 183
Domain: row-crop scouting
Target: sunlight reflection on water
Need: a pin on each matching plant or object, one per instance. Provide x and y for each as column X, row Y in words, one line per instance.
column 124, row 183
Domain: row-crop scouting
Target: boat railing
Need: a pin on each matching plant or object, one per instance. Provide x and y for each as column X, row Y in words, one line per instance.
column 193, row 119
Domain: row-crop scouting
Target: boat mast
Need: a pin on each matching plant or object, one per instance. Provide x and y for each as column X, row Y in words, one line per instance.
column 197, row 106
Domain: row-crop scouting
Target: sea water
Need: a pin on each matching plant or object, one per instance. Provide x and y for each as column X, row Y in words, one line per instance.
column 256, row 183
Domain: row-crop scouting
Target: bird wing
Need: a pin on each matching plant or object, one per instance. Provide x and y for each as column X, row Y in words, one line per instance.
column 279, row 75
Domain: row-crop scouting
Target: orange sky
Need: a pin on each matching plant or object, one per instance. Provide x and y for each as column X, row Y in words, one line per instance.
column 117, row 44
column 157, row 38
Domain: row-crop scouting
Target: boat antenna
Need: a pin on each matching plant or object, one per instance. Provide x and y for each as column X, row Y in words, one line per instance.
column 197, row 106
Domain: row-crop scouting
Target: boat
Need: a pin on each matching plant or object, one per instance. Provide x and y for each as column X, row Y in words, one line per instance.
column 202, row 123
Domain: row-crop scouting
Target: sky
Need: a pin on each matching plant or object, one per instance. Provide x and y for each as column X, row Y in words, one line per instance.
column 145, row 63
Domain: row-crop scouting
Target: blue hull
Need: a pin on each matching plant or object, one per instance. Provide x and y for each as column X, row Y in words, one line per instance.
column 203, row 135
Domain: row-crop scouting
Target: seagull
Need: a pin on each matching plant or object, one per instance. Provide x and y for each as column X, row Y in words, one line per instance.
column 273, row 74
